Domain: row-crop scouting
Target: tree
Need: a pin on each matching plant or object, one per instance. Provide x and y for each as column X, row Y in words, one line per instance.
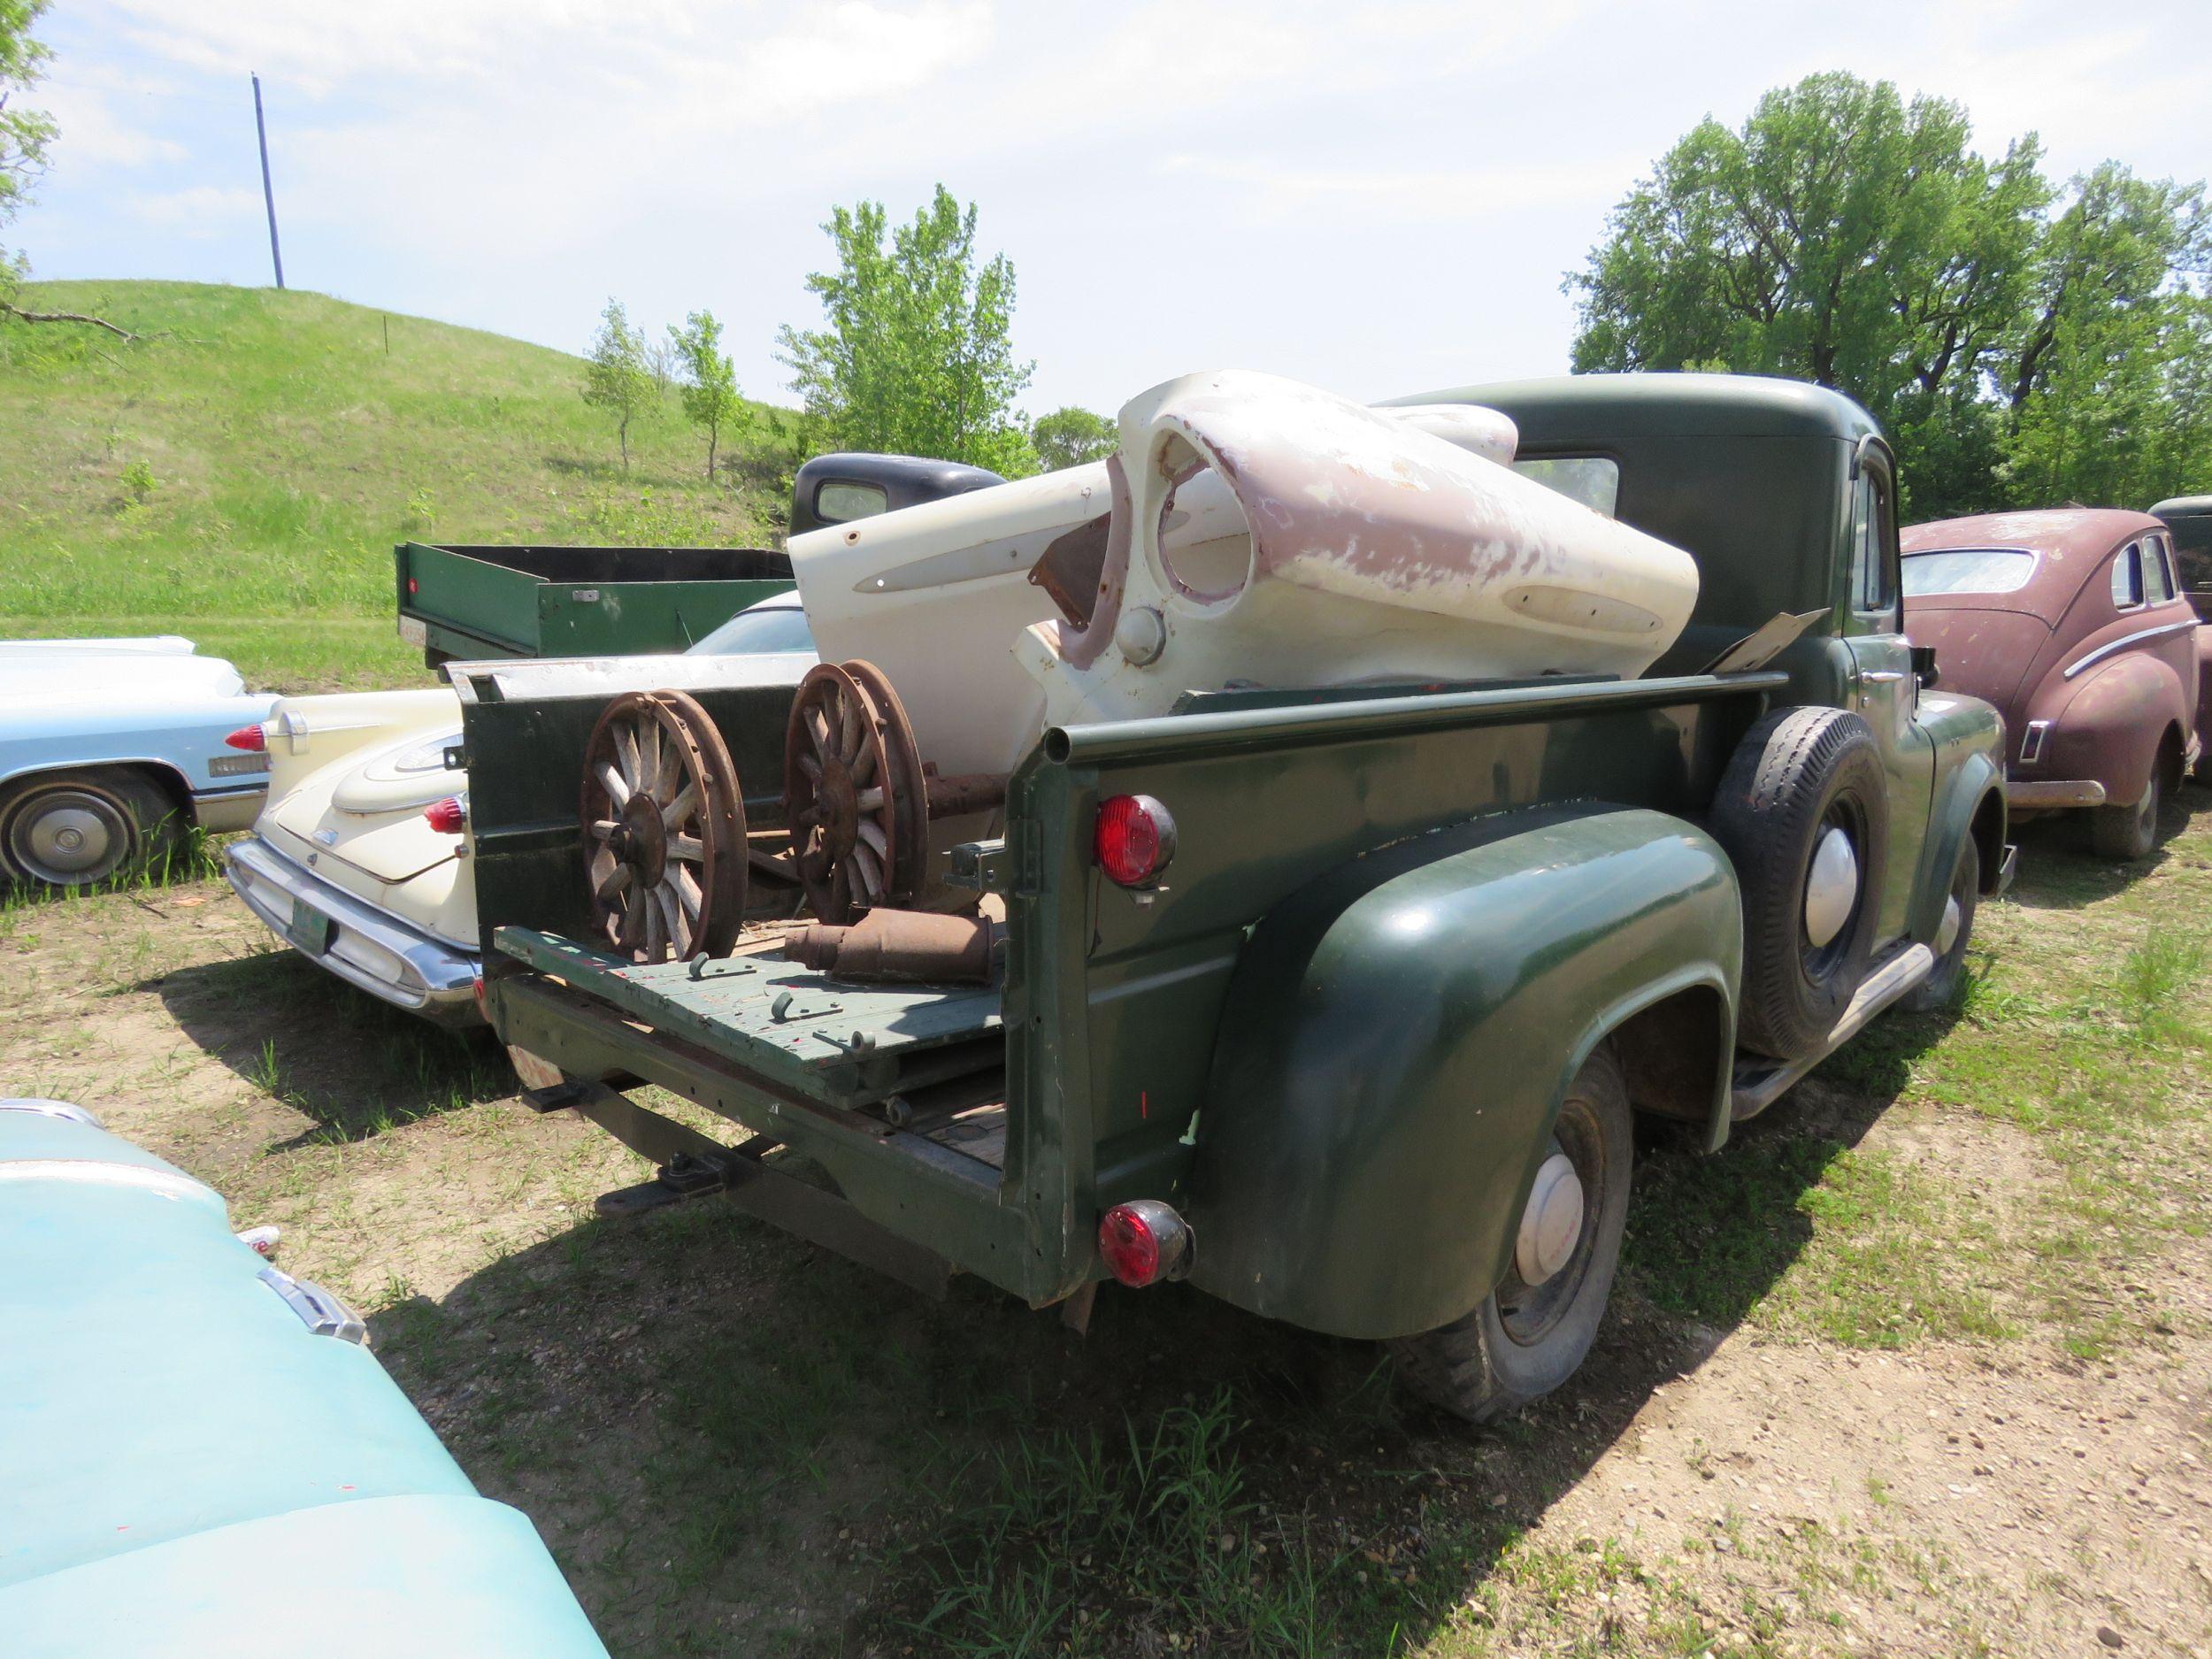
column 916, row 357
column 1843, row 236
column 616, row 377
column 709, row 379
column 1071, row 436
column 2021, row 345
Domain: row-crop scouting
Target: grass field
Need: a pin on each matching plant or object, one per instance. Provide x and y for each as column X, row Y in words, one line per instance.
column 240, row 473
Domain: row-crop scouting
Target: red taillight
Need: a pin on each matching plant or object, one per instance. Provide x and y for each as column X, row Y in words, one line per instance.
column 1136, row 838
column 1143, row 1242
column 247, row 737
column 413, row 587
column 477, row 987
column 447, row 817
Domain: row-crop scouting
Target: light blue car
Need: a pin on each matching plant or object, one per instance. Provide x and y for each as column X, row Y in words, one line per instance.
column 200, row 1459
column 107, row 746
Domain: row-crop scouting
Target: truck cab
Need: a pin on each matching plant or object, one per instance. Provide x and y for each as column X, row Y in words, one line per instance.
column 1337, row 1002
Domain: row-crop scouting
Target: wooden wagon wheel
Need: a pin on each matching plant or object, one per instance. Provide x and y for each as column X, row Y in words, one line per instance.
column 909, row 784
column 842, row 817
column 664, row 830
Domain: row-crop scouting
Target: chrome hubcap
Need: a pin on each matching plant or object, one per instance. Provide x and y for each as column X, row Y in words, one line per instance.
column 66, row 841
column 1832, row 886
column 1947, row 935
column 1552, row 1223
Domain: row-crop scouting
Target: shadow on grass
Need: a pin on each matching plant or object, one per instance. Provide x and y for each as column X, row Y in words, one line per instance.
column 734, row 1440
column 355, row 1065
column 2059, row 870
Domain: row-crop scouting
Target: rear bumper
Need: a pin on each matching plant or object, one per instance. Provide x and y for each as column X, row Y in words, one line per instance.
column 2053, row 794
column 365, row 947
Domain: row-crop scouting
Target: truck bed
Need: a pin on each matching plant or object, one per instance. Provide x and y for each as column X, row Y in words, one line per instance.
column 478, row 601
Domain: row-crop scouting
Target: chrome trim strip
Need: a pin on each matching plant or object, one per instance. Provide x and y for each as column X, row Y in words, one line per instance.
column 322, row 1313
column 448, row 972
column 42, row 1108
column 2123, row 641
column 94, row 1172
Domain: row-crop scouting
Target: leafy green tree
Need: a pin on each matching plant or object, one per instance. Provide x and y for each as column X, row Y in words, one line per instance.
column 2107, row 383
column 23, row 132
column 708, row 378
column 916, row 355
column 1071, row 436
column 618, row 376
column 1844, row 236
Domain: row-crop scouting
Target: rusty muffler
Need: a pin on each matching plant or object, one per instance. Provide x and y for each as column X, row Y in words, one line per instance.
column 887, row 944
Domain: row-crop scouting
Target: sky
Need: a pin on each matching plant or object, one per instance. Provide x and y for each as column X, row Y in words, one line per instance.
column 1379, row 199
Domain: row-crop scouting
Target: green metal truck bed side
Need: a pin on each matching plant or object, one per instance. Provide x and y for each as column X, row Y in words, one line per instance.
column 477, row 602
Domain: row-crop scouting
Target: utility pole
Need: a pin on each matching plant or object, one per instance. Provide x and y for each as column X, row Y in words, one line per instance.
column 268, row 196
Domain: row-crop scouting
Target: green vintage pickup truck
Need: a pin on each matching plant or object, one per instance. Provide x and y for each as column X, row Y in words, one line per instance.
column 1338, row 1004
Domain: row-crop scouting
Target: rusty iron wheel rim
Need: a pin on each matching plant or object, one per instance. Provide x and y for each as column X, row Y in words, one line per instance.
column 664, row 822
column 909, row 784
column 840, row 803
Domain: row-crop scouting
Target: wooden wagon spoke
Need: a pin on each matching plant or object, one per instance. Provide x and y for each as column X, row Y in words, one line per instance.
column 871, row 835
column 870, row 869
column 871, row 800
column 662, row 826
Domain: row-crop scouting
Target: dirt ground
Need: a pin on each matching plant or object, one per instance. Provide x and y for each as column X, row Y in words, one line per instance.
column 1921, row 1363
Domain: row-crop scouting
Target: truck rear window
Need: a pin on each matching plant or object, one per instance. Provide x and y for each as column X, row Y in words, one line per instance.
column 1980, row 570
column 1593, row 479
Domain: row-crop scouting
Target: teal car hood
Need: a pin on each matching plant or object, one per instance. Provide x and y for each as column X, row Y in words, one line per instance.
column 191, row 1471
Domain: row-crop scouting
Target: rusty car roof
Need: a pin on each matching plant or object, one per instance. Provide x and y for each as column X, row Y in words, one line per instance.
column 2072, row 541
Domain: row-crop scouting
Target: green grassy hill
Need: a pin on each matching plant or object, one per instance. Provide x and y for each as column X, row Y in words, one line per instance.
column 241, row 472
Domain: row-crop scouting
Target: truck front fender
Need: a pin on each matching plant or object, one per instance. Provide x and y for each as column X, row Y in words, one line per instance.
column 1968, row 799
column 1398, row 1036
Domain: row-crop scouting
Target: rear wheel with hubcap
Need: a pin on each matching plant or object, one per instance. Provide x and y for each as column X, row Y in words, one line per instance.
column 74, row 829
column 1529, row 1334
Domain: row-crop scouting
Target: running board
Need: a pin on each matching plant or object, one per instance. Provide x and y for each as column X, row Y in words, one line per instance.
column 1760, row 1083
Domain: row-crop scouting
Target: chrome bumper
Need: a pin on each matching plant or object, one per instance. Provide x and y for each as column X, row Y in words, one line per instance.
column 361, row 944
column 2044, row 795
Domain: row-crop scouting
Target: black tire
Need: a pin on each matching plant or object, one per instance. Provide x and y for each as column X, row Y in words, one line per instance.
column 1935, row 993
column 1521, row 1343
column 2128, row 833
column 65, row 830
column 1799, row 773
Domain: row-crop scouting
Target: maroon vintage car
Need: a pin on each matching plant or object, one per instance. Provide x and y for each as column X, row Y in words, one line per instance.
column 2073, row 623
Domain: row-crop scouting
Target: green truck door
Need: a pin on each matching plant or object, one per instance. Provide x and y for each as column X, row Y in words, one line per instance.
column 1884, row 690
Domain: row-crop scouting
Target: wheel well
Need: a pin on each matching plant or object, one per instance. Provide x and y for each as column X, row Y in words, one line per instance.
column 1988, row 831
column 167, row 779
column 2173, row 750
column 1671, row 1053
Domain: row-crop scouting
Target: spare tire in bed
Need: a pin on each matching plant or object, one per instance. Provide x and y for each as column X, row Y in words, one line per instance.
column 1803, row 813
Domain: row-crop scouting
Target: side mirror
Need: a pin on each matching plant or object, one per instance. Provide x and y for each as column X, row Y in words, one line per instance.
column 1924, row 664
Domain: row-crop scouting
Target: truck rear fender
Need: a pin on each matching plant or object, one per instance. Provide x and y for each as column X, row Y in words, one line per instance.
column 1398, row 1035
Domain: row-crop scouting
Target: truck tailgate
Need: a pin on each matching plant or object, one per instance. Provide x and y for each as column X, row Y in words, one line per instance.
column 832, row 1042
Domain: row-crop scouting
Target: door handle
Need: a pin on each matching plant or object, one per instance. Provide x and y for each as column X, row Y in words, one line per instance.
column 1881, row 677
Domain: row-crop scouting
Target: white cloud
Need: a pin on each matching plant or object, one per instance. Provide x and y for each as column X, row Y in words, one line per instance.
column 201, row 209
column 1272, row 193
column 94, row 132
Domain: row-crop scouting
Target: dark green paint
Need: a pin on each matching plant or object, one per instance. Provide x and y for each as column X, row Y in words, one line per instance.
column 485, row 602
